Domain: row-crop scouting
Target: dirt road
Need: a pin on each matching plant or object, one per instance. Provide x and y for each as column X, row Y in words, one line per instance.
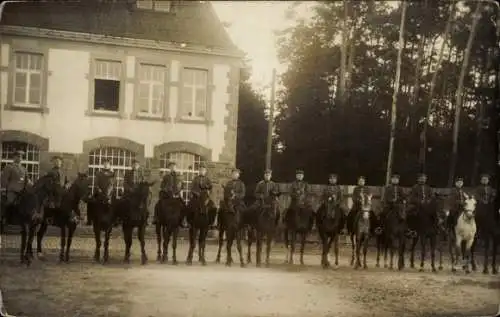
column 85, row 289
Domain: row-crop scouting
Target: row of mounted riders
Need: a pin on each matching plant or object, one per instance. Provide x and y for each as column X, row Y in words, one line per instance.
column 424, row 220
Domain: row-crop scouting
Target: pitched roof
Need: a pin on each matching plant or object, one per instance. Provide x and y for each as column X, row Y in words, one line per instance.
column 192, row 22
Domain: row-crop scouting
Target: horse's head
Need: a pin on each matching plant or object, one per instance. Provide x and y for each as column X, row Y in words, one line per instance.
column 401, row 209
column 142, row 193
column 81, row 185
column 366, row 205
column 204, row 198
column 469, row 206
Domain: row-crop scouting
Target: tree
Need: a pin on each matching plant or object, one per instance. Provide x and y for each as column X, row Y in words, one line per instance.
column 395, row 94
column 252, row 131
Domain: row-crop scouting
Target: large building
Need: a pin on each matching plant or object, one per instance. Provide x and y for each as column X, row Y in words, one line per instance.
column 88, row 80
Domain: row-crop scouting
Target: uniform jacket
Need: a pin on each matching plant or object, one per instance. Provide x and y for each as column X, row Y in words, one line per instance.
column 358, row 192
column 457, row 197
column 485, row 194
column 105, row 179
column 58, row 176
column 331, row 190
column 200, row 183
column 264, row 188
column 171, row 183
column 237, row 186
column 14, row 177
column 132, row 178
column 392, row 193
column 421, row 193
column 298, row 187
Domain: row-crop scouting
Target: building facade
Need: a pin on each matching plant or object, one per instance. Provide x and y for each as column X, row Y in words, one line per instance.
column 90, row 80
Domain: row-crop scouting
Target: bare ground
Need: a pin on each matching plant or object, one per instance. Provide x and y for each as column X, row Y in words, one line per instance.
column 85, row 289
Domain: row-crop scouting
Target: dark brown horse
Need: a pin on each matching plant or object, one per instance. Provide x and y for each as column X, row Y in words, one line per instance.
column 134, row 213
column 232, row 218
column 360, row 226
column 200, row 217
column 329, row 222
column 299, row 220
column 170, row 211
column 394, row 232
column 65, row 215
column 488, row 231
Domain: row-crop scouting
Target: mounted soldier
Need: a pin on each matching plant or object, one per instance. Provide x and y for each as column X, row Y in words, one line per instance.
column 104, row 183
column 202, row 182
column 359, row 192
column 457, row 197
column 333, row 191
column 132, row 178
column 299, row 188
column 59, row 180
column 170, row 187
column 235, row 187
column 393, row 194
column 14, row 180
column 264, row 189
column 421, row 193
column 485, row 194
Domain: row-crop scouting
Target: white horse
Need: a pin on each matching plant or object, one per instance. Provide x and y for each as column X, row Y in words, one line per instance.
column 464, row 234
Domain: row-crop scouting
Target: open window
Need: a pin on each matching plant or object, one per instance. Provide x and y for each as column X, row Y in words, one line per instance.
column 107, row 82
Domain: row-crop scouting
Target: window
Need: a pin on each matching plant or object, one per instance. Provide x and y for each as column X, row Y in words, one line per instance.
column 188, row 165
column 28, row 79
column 157, row 5
column 120, row 159
column 151, row 94
column 107, row 85
column 31, row 159
column 194, row 93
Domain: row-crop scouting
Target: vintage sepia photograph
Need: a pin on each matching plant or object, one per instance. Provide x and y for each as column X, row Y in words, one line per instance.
column 249, row 158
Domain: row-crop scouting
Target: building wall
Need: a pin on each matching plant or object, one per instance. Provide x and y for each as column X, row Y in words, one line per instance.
column 65, row 126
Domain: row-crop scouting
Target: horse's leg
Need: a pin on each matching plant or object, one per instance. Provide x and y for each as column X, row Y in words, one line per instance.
column 141, row 237
column 494, row 269
column 378, row 241
column 192, row 242
column 303, row 237
column 353, row 247
column 127, row 237
column 250, row 240
column 439, row 247
column 401, row 250
column 174, row 233
column 39, row 238
column 456, row 246
column 365, row 249
column 71, row 232
column 468, row 248
column 391, row 246
column 414, row 242
column 336, row 248
column 291, row 247
column 324, row 248
column 286, row 237
column 229, row 245
column 63, row 243
column 486, row 245
column 472, row 257
column 158, row 228
column 433, row 242
column 31, row 236
column 163, row 247
column 239, row 234
column 423, row 239
column 258, row 251
column 107, row 237
column 202, row 239
column 269, row 241
column 359, row 240
column 97, row 237
column 220, row 242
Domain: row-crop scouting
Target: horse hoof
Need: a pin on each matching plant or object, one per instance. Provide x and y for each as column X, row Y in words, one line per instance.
column 365, row 266
column 242, row 264
column 485, row 271
column 158, row 258
column 434, row 270
column 217, row 260
column 268, row 264
column 440, row 267
column 189, row 263
column 421, row 269
column 40, row 256
column 203, row 263
column 257, row 265
column 378, row 265
column 454, row 270
column 494, row 272
column 174, row 262
column 228, row 264
column 391, row 268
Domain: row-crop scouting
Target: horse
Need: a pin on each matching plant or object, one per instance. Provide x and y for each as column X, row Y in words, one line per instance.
column 200, row 218
column 394, row 231
column 423, row 225
column 463, row 234
column 299, row 220
column 359, row 225
column 64, row 215
column 103, row 212
column 134, row 214
column 232, row 221
column 170, row 215
column 330, row 222
column 28, row 212
column 488, row 231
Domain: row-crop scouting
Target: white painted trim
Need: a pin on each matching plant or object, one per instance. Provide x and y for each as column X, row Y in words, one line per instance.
column 119, row 41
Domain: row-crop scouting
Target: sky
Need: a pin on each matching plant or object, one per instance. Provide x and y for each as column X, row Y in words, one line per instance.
column 252, row 27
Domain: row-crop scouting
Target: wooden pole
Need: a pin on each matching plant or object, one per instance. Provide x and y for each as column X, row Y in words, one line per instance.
column 270, row 126
column 390, row 157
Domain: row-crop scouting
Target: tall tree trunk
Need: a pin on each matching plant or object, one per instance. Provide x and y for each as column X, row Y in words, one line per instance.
column 423, row 138
column 458, row 104
column 390, row 157
column 343, row 56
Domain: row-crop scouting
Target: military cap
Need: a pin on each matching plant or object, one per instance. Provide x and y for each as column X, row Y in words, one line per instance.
column 333, row 175
column 299, row 172
column 236, row 170
column 135, row 161
column 203, row 165
column 56, row 157
column 361, row 177
column 170, row 163
column 485, row 175
column 19, row 153
column 268, row 171
column 459, row 179
column 106, row 160
column 420, row 175
column 395, row 176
